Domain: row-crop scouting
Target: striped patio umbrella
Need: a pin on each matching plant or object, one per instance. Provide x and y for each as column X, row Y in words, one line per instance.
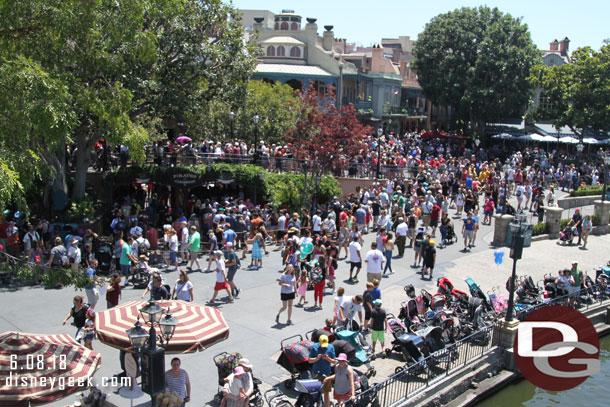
column 38, row 369
column 198, row 326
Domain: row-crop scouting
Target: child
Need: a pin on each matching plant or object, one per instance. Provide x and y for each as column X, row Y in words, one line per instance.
column 89, row 329
column 257, row 251
column 221, row 277
column 338, row 303
column 302, row 289
column 36, row 255
column 378, row 324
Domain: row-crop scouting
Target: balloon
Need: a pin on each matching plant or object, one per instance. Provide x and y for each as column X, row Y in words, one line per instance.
column 498, row 254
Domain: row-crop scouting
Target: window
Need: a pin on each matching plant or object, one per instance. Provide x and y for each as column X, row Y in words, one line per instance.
column 295, row 52
column 281, row 51
column 294, row 26
column 271, row 51
column 284, row 26
column 277, row 26
column 320, row 87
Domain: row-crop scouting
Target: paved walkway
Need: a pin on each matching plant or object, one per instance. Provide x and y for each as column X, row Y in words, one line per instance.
column 251, row 318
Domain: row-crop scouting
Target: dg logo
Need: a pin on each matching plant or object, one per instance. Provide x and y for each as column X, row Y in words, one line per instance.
column 557, row 348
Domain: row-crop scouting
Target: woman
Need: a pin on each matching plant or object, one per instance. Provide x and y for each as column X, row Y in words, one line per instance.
column 221, row 277
column 118, row 247
column 342, row 240
column 587, row 227
column 183, row 289
column 444, row 228
column 459, row 202
column 287, row 294
column 172, row 245
column 388, row 248
column 59, row 254
column 79, row 313
column 177, row 381
column 343, row 378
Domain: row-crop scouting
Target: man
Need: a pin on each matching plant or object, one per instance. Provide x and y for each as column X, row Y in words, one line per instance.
column 435, row 215
column 348, row 310
column 374, row 263
column 316, row 223
column 401, row 236
column 577, row 222
column 29, row 241
column 468, row 231
column 329, row 225
column 229, row 235
column 360, row 215
column 127, row 258
column 158, row 291
column 322, row 357
column 231, row 264
column 355, row 259
column 142, row 244
column 429, row 258
column 92, row 294
column 426, row 212
column 184, row 241
column 412, row 228
column 193, row 247
column 113, row 292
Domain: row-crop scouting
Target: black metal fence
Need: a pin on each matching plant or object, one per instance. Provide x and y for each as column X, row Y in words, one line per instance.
column 410, row 380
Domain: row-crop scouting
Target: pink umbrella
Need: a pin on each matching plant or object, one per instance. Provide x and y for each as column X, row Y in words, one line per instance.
column 183, row 139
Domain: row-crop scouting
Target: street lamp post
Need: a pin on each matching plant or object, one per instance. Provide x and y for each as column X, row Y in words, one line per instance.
column 379, row 133
column 606, row 164
column 256, row 118
column 516, row 252
column 152, row 357
column 232, row 119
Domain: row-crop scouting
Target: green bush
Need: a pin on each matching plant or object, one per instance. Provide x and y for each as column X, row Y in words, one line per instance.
column 289, row 190
column 540, row 229
column 84, row 209
column 587, row 190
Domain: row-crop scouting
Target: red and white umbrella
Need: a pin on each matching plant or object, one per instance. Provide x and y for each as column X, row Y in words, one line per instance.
column 38, row 369
column 198, row 326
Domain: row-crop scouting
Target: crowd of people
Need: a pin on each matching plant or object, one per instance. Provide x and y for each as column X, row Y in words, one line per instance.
column 433, row 191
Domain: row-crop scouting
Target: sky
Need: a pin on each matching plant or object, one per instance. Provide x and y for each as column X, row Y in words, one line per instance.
column 366, row 22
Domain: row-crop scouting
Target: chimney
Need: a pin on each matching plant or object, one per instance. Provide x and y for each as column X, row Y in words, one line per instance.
column 376, row 57
column 311, row 25
column 328, row 38
column 554, row 46
column 258, row 24
column 565, row 47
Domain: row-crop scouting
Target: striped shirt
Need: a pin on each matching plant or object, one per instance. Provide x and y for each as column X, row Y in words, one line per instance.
column 177, row 384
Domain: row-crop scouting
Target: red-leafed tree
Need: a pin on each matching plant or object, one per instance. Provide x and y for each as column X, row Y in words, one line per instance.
column 324, row 136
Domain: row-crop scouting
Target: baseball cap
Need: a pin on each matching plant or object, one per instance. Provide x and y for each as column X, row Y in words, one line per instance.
column 323, row 341
column 342, row 356
column 378, row 302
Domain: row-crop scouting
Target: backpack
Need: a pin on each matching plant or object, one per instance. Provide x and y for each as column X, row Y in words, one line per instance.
column 317, row 275
column 142, row 250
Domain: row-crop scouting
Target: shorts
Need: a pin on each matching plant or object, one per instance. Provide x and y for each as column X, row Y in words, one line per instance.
column 411, row 233
column 221, row 286
column 468, row 234
column 488, row 212
column 231, row 274
column 193, row 255
column 377, row 336
column 287, row 296
column 354, row 264
column 326, row 387
column 434, row 222
column 342, row 397
column 173, row 258
column 93, row 296
column 373, row 276
column 184, row 247
column 125, row 269
column 429, row 264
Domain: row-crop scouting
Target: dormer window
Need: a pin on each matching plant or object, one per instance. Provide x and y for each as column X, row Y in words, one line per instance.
column 281, row 51
column 295, row 52
column 271, row 51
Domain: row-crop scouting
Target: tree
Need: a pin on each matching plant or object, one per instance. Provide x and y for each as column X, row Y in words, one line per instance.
column 273, row 103
column 125, row 61
column 476, row 60
column 324, row 135
column 577, row 92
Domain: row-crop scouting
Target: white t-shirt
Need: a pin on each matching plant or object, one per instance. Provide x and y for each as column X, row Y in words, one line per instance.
column 220, row 266
column 350, row 309
column 339, row 301
column 185, row 236
column 401, row 229
column 374, row 260
column 316, row 221
column 173, row 243
column 520, row 192
column 182, row 290
column 354, row 249
column 281, row 222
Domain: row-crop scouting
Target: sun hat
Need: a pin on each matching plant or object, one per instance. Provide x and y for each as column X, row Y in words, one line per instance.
column 245, row 363
column 342, row 357
column 238, row 371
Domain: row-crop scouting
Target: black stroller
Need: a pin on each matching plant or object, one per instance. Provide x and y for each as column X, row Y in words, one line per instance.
column 104, row 258
column 409, row 346
column 225, row 363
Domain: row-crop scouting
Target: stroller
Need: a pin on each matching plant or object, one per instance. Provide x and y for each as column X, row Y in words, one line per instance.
column 103, row 255
column 476, row 291
column 409, row 313
column 408, row 345
column 498, row 301
column 451, row 294
column 225, row 363
column 567, row 235
column 435, row 346
column 362, row 353
column 295, row 359
column 141, row 275
column 451, row 237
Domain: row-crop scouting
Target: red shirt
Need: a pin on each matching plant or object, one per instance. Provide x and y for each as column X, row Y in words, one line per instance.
column 153, row 238
column 113, row 296
column 3, row 228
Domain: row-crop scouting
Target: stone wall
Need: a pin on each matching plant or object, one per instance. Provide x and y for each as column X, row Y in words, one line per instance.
column 577, row 202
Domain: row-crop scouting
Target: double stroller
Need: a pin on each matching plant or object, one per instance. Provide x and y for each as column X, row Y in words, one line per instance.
column 295, row 359
column 225, row 363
